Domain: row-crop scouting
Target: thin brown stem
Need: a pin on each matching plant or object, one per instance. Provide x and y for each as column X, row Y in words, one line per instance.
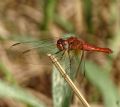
column 68, row 80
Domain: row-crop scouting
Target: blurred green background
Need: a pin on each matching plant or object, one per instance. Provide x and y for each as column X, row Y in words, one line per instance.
column 28, row 81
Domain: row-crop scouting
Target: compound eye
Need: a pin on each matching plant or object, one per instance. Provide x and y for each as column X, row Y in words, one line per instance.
column 60, row 44
column 59, row 41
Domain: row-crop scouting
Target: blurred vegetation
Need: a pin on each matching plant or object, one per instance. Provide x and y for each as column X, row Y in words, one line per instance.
column 28, row 81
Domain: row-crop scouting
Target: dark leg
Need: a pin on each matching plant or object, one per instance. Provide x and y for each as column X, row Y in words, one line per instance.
column 59, row 52
column 81, row 59
column 70, row 59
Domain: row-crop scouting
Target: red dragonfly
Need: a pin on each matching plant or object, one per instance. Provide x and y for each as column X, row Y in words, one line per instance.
column 76, row 44
column 71, row 44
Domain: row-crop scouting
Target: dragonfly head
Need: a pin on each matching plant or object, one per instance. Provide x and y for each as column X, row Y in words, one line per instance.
column 62, row 44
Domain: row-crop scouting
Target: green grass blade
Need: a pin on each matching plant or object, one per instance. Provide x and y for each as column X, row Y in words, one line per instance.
column 65, row 24
column 62, row 93
column 100, row 78
column 49, row 10
column 7, row 91
column 7, row 73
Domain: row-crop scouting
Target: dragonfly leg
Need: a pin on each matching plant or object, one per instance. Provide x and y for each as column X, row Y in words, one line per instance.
column 57, row 52
column 61, row 55
column 70, row 59
column 81, row 59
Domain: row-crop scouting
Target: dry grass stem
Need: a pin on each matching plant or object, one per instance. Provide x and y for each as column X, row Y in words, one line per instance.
column 68, row 80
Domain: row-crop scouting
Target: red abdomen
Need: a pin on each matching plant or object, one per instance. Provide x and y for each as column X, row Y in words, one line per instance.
column 88, row 47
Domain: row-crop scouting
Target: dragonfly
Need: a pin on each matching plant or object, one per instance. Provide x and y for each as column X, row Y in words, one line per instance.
column 70, row 44
column 76, row 44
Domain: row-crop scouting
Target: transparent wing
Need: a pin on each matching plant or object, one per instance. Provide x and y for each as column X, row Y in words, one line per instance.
column 81, row 65
column 73, row 63
column 25, row 47
column 45, row 44
column 76, row 64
